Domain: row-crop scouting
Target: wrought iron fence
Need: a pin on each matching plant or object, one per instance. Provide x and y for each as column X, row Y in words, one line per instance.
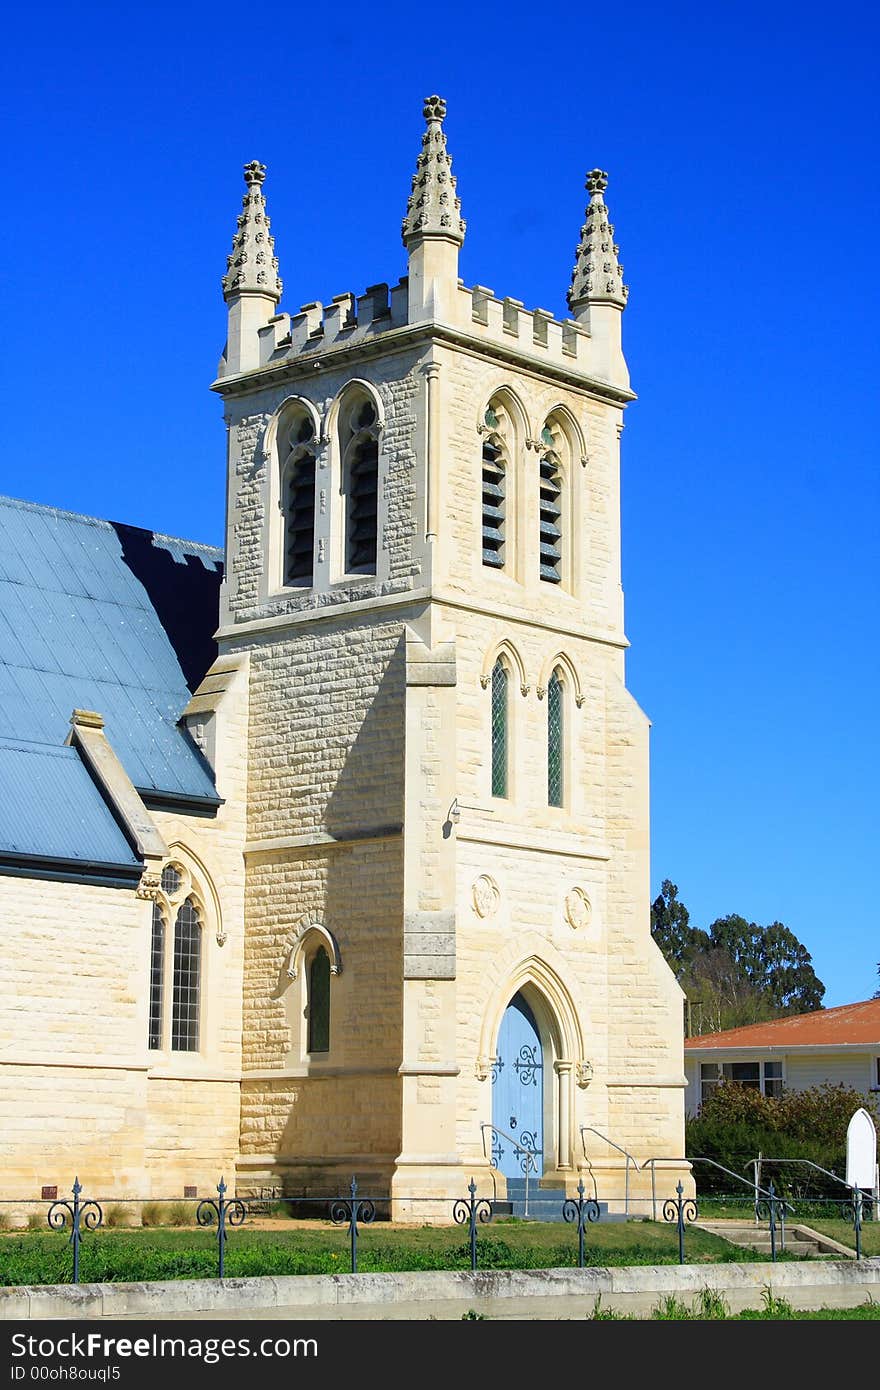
column 356, row 1210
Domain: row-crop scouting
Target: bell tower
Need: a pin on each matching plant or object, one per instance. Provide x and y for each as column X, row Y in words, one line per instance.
column 447, row 900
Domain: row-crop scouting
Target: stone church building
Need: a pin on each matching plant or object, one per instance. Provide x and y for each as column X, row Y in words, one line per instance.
column 329, row 856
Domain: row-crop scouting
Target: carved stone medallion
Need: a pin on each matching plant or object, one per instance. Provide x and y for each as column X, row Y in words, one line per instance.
column 486, row 896
column 578, row 908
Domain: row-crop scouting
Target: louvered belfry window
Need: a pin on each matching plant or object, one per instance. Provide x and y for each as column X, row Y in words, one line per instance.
column 360, row 445
column 499, row 728
column 493, row 505
column 555, row 740
column 551, row 511
column 494, row 515
column 300, row 503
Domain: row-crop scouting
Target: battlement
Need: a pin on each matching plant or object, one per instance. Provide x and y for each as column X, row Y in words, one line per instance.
column 350, row 319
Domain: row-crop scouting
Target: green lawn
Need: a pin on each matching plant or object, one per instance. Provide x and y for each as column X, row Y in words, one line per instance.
column 126, row 1255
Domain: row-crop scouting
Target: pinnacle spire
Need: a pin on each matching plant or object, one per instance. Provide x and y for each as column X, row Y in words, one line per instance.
column 597, row 277
column 433, row 209
column 253, row 267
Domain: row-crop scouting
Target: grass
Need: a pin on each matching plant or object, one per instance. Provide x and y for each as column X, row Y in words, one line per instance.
column 161, row 1253
column 710, row 1305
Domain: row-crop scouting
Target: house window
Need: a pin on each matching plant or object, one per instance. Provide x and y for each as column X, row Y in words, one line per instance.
column 765, row 1077
column 359, row 444
column 319, row 1002
column 555, row 740
column 550, row 511
column 499, row 728
column 299, row 505
column 176, row 956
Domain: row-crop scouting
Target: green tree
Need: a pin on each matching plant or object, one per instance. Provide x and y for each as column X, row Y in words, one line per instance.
column 671, row 929
column 771, row 961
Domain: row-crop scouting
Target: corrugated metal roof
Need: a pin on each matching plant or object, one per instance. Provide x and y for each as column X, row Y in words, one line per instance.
column 847, row 1023
column 51, row 809
column 95, row 615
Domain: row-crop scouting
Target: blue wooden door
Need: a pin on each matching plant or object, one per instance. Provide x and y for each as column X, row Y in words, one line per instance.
column 518, row 1091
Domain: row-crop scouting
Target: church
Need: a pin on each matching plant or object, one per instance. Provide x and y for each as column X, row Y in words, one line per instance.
column 328, row 855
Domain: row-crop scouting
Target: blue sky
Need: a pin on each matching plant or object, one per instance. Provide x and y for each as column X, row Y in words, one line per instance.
column 741, row 143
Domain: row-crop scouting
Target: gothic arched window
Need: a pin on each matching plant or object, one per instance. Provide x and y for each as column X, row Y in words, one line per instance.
column 298, row 473
column 555, row 740
column 319, row 1002
column 500, row 683
column 176, row 975
column 359, row 449
column 551, row 505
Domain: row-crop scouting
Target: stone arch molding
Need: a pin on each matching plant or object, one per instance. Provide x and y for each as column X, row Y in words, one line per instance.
column 511, row 401
column 332, row 415
column 201, row 888
column 297, row 948
column 566, row 665
column 504, row 648
column 561, row 1015
column 270, row 433
column 571, row 429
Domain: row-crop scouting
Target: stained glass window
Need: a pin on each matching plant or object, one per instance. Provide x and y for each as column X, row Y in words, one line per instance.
column 555, row 739
column 499, row 729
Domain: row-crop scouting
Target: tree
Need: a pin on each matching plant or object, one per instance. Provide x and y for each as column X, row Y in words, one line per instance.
column 737, row 972
column 772, row 961
column 671, row 929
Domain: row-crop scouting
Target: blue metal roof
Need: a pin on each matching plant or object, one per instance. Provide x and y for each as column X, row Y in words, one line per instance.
column 96, row 615
column 51, row 810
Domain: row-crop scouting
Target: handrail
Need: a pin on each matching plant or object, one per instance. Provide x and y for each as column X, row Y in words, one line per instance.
column 663, row 1158
column 518, row 1147
column 756, row 1162
column 590, row 1129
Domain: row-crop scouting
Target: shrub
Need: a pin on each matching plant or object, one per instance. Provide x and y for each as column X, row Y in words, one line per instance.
column 736, row 1123
column 180, row 1214
column 118, row 1214
column 36, row 1221
column 5, row 1220
column 152, row 1214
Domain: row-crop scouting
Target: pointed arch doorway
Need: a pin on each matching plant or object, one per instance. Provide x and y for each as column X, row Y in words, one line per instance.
column 518, row 1091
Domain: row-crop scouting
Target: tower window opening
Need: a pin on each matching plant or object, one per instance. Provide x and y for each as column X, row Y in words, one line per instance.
column 550, row 519
column 299, row 469
column 360, row 481
column 493, row 505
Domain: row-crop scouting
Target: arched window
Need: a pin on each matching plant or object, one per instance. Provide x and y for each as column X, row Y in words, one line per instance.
column 551, row 505
column 319, row 1002
column 298, row 474
column 555, row 740
column 187, row 979
column 176, row 975
column 157, row 977
column 500, row 684
column 359, row 450
column 494, row 488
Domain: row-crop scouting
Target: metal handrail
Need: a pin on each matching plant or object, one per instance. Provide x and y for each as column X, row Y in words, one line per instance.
column 650, row 1162
column 756, row 1162
column 531, row 1154
column 590, row 1129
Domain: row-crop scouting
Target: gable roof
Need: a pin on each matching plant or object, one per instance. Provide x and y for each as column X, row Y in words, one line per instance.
column 847, row 1024
column 95, row 615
